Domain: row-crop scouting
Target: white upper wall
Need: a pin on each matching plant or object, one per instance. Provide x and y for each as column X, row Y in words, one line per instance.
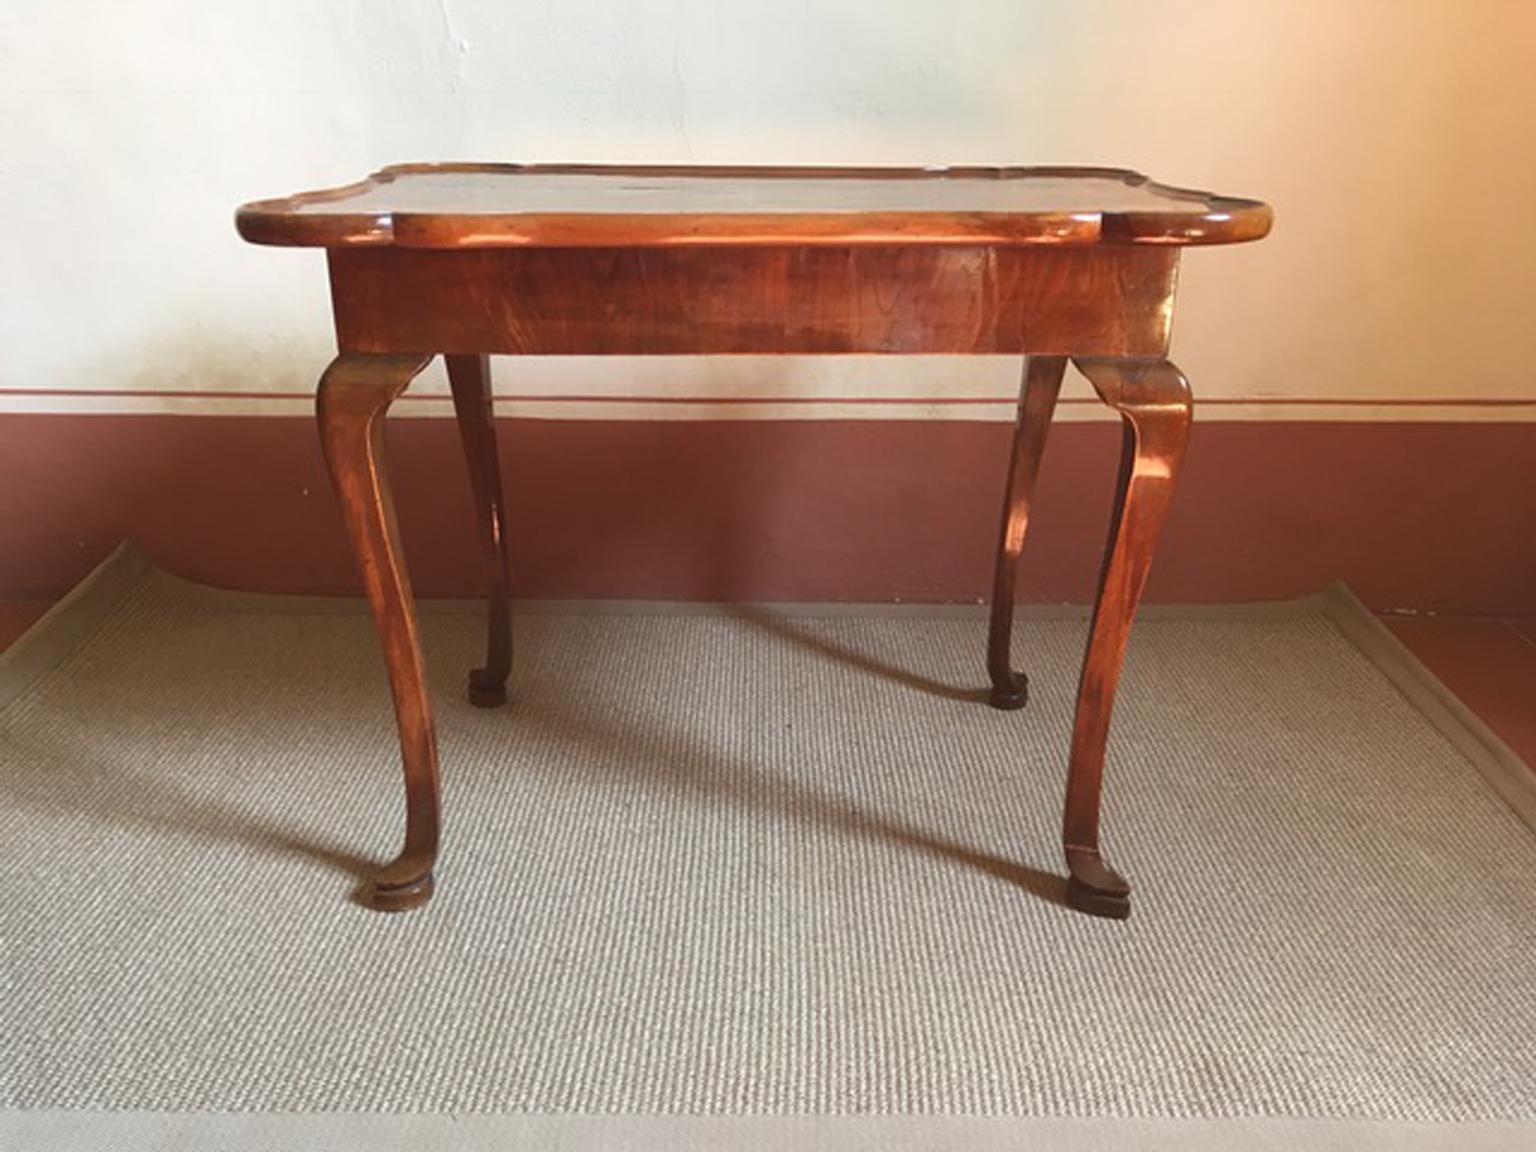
column 1392, row 137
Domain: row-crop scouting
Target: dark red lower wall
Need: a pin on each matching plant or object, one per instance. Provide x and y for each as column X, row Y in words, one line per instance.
column 1429, row 516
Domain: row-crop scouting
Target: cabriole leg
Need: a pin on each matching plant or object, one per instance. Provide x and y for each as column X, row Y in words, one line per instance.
column 1037, row 404
column 1154, row 402
column 470, row 378
column 355, row 393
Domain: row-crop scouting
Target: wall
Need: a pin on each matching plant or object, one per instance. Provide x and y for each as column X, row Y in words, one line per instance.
column 1383, row 331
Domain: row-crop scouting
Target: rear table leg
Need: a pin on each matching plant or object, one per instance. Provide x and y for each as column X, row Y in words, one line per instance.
column 1037, row 404
column 470, row 378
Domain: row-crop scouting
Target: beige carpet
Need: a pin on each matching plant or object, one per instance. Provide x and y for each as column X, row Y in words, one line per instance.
column 748, row 864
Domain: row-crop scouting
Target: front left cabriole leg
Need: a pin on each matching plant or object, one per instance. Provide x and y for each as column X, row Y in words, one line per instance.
column 354, row 395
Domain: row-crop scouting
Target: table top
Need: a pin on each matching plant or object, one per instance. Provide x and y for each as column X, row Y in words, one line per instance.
column 506, row 205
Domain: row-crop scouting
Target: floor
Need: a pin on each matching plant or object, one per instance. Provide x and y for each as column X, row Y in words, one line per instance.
column 1489, row 662
column 16, row 617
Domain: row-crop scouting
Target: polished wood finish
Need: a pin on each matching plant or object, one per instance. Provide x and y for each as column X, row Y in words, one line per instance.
column 1037, row 405
column 354, row 395
column 467, row 260
column 469, row 378
column 505, row 205
column 1156, row 407
column 638, row 301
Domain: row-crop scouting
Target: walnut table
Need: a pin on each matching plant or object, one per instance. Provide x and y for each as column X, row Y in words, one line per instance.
column 467, row 260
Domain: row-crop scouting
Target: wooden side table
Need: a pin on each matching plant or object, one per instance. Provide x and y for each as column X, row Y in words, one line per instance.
column 472, row 259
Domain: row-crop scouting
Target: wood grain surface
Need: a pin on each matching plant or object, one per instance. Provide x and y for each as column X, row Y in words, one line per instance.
column 504, row 205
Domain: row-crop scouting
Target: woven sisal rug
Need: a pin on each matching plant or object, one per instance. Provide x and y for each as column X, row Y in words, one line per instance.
column 717, row 868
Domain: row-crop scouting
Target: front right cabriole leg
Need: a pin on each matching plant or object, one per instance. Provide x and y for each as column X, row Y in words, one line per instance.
column 1155, row 405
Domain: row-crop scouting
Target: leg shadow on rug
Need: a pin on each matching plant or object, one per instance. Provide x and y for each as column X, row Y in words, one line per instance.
column 704, row 774
column 783, row 628
column 129, row 799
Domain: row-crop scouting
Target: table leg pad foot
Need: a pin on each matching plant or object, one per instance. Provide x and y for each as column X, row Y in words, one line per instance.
column 486, row 691
column 1095, row 887
column 1109, row 905
column 1012, row 696
column 399, row 897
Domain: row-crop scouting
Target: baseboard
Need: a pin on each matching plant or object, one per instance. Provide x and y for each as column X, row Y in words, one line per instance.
column 1434, row 517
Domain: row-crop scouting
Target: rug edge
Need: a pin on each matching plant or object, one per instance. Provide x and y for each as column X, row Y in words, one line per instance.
column 346, row 1132
column 72, row 620
column 1495, row 761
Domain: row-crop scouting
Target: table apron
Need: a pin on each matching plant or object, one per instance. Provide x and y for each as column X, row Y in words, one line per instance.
column 1104, row 300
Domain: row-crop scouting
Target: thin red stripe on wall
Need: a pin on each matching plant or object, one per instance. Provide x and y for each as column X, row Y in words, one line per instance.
column 922, row 401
